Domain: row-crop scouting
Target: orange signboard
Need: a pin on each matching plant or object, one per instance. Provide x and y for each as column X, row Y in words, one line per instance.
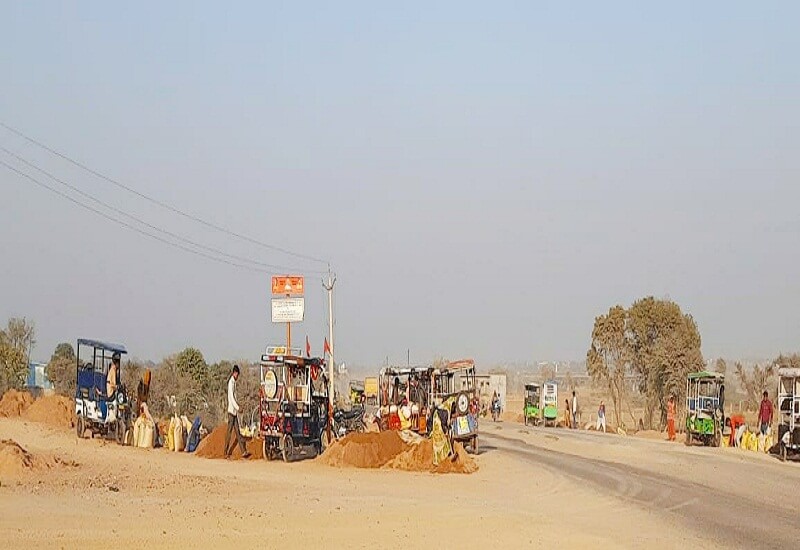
column 288, row 284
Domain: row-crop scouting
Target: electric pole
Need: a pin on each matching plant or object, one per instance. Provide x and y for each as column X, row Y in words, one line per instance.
column 328, row 285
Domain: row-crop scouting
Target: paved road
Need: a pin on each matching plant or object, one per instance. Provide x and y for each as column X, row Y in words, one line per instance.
column 727, row 516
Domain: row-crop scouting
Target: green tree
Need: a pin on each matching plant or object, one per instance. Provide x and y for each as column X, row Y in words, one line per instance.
column 665, row 348
column 61, row 369
column 608, row 360
column 16, row 340
column 757, row 381
column 191, row 362
column 721, row 366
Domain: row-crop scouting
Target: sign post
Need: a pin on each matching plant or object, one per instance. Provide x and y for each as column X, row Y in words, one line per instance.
column 291, row 308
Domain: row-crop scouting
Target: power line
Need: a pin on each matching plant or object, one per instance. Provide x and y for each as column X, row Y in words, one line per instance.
column 129, row 226
column 138, row 220
column 160, row 203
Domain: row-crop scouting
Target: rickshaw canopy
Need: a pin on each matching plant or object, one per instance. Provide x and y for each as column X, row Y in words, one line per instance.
column 107, row 346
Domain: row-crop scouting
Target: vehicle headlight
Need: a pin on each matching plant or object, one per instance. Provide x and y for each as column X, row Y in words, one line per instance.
column 120, row 399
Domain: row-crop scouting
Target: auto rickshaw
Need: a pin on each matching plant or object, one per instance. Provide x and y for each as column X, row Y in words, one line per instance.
column 705, row 399
column 532, row 410
column 455, row 383
column 404, row 398
column 293, row 404
column 550, row 402
column 356, row 392
column 788, row 412
column 95, row 411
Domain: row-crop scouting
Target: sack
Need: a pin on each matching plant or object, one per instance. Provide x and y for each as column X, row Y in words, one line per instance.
column 171, row 435
column 193, row 440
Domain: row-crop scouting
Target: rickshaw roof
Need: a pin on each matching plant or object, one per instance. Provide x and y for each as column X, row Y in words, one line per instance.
column 706, row 374
column 403, row 371
column 117, row 348
column 788, row 372
column 532, row 386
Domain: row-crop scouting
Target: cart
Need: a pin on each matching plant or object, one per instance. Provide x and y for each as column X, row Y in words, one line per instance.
column 550, row 403
column 455, row 382
column 106, row 415
column 532, row 409
column 705, row 399
column 293, row 405
column 788, row 412
column 404, row 398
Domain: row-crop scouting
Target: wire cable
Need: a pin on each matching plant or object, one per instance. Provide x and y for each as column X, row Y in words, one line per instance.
column 129, row 226
column 138, row 220
column 160, row 203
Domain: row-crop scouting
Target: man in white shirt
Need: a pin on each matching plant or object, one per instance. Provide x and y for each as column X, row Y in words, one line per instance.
column 233, row 418
column 574, row 411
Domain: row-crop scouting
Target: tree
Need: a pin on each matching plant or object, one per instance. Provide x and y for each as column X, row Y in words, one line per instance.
column 721, row 366
column 61, row 369
column 608, row 357
column 757, row 382
column 665, row 348
column 191, row 362
column 16, row 340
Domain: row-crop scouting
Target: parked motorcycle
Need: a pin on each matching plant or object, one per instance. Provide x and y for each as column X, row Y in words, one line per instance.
column 345, row 422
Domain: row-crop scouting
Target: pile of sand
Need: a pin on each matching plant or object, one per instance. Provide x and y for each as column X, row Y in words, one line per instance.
column 213, row 445
column 389, row 450
column 53, row 410
column 14, row 403
column 15, row 460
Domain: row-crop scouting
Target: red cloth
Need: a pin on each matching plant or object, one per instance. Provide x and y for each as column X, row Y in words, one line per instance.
column 765, row 414
column 671, row 411
column 671, row 429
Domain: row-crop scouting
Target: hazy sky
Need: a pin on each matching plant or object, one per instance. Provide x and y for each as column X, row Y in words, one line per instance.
column 485, row 178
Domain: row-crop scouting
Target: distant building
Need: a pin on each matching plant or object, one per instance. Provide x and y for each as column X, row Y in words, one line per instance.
column 37, row 378
column 488, row 384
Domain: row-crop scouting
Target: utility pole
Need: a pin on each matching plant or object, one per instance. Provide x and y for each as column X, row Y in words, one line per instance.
column 328, row 285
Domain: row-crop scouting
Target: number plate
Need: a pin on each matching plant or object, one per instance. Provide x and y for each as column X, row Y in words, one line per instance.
column 463, row 425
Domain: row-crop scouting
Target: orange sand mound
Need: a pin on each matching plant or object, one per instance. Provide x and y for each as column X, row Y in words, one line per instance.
column 15, row 460
column 389, row 450
column 213, row 445
column 14, row 403
column 54, row 410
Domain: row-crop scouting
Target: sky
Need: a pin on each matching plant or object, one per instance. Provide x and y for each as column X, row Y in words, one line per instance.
column 484, row 178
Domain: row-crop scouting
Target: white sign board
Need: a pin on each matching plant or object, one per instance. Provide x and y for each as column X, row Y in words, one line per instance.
column 288, row 310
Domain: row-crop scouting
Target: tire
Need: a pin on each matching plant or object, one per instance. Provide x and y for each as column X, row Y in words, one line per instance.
column 475, row 445
column 287, row 448
column 717, row 440
column 462, row 403
column 688, row 440
column 80, row 427
column 362, row 426
column 784, row 452
column 525, row 420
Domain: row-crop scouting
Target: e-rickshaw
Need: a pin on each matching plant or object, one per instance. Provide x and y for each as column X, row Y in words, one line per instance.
column 455, row 383
column 705, row 401
column 532, row 410
column 550, row 403
column 108, row 415
column 293, row 407
column 404, row 398
column 788, row 412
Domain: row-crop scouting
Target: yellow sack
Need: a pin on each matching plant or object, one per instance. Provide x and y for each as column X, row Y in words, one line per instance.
column 171, row 435
column 753, row 443
column 769, row 442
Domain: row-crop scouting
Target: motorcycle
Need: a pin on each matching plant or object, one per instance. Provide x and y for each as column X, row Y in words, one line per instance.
column 495, row 410
column 345, row 422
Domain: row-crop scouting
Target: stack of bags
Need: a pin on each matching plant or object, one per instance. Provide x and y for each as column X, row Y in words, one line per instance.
column 183, row 435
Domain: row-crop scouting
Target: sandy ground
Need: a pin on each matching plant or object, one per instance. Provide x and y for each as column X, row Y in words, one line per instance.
column 534, row 487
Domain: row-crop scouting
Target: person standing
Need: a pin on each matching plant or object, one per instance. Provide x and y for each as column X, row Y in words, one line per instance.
column 765, row 414
column 671, row 418
column 567, row 415
column 574, row 410
column 233, row 416
column 601, row 417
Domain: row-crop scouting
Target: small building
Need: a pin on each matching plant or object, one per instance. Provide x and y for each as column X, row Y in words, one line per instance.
column 488, row 384
column 38, row 382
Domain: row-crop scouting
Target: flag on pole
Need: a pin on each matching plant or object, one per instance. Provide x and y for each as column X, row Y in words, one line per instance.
column 327, row 347
column 308, row 347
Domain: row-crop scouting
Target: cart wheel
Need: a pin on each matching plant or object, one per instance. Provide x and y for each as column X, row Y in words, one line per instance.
column 688, row 440
column 784, row 452
column 80, row 427
column 287, row 448
column 266, row 450
column 324, row 441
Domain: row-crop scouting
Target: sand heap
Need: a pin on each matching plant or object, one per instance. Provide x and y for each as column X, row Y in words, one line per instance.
column 54, row 410
column 15, row 460
column 213, row 445
column 14, row 403
column 389, row 450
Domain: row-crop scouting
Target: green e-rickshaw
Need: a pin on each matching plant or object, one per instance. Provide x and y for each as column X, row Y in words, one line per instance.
column 532, row 411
